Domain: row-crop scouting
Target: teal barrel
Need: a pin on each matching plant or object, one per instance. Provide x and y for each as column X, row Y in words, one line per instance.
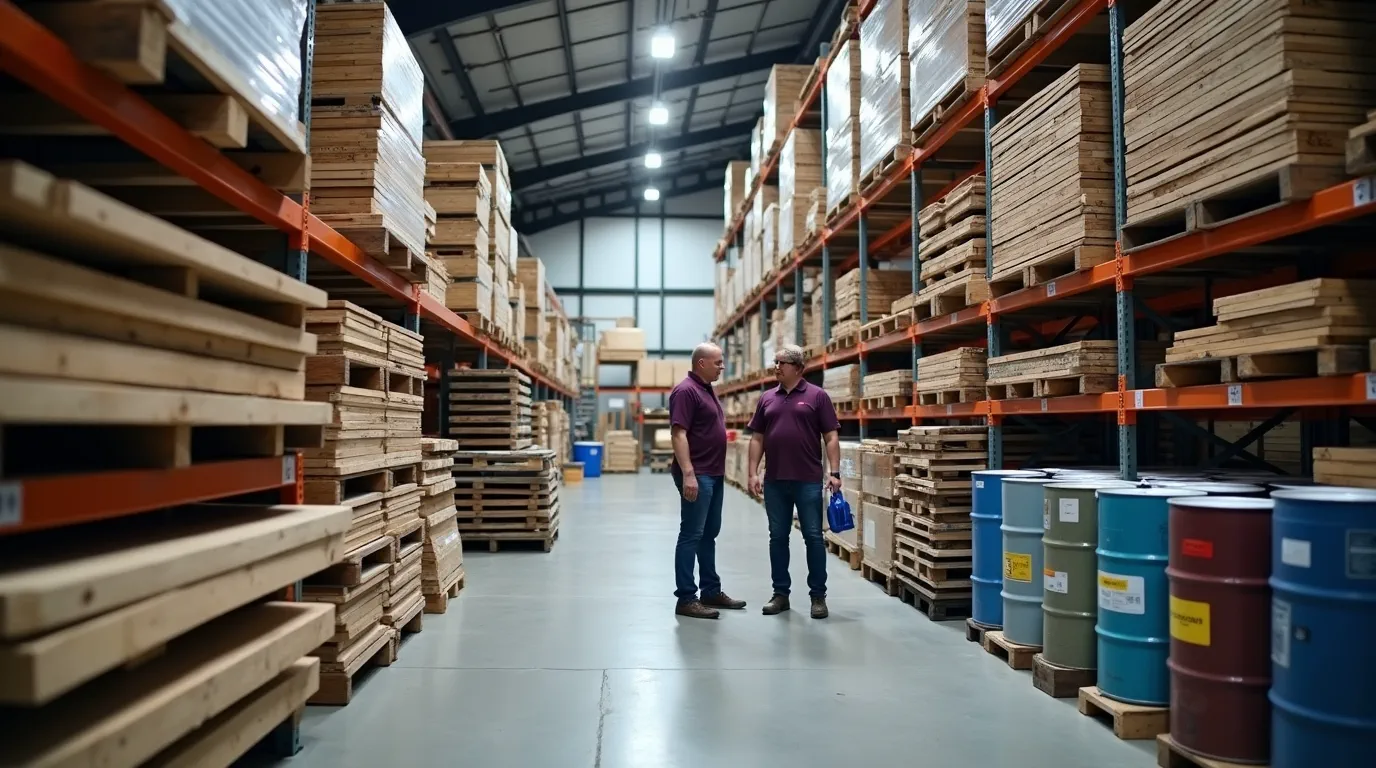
column 1069, row 576
column 1133, row 626
column 986, row 516
column 1023, row 506
column 1323, row 611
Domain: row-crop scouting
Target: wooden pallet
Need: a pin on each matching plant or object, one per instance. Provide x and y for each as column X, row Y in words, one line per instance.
column 352, row 567
column 975, row 631
column 881, row 576
column 1130, row 721
column 1060, row 682
column 439, row 603
column 1056, row 386
column 936, row 607
column 1329, row 360
column 849, row 555
column 954, row 98
column 1169, row 754
column 870, row 182
column 1017, row 655
column 885, row 325
column 967, row 288
column 338, row 678
column 1023, row 36
column 1048, row 269
column 951, row 396
column 495, row 541
column 885, row 402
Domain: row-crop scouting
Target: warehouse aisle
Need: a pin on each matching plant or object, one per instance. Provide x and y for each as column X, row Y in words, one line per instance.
column 575, row 659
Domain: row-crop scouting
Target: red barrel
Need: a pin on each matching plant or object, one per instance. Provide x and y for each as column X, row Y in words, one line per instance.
column 1220, row 619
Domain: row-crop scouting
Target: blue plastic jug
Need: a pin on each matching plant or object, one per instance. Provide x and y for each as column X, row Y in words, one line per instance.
column 838, row 513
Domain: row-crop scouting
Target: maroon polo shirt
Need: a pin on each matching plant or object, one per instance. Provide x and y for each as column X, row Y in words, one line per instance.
column 793, row 424
column 693, row 405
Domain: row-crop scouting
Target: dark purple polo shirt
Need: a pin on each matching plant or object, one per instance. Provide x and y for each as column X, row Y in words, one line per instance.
column 693, row 405
column 793, row 424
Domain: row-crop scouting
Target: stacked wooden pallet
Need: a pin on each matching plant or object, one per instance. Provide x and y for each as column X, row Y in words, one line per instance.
column 878, row 467
column 144, row 639
column 890, row 389
column 950, row 35
column 367, row 172
column 1053, row 182
column 461, row 195
column 622, row 452
column 489, row 409
column 504, row 496
column 951, row 253
column 357, row 590
column 957, row 376
column 1198, row 154
column 1316, row 327
column 1078, row 368
column 882, row 289
column 842, row 384
column 932, row 551
column 442, row 562
column 1346, row 466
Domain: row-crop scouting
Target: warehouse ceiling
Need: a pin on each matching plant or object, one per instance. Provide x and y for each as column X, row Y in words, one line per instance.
column 567, row 86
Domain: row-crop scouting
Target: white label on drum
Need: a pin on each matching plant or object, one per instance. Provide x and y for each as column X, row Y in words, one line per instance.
column 1361, row 554
column 1122, row 594
column 1056, row 581
column 1280, row 632
column 1294, row 552
column 979, row 483
column 1069, row 511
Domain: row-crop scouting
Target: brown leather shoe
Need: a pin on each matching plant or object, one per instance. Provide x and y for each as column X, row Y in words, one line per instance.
column 694, row 609
column 722, row 600
column 776, row 604
column 819, row 608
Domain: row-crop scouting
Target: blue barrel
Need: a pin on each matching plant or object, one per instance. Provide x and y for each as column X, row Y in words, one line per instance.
column 986, row 516
column 1024, row 506
column 1323, row 612
column 590, row 454
column 1133, row 626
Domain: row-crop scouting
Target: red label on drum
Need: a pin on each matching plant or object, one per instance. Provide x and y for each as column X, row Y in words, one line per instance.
column 1197, row 548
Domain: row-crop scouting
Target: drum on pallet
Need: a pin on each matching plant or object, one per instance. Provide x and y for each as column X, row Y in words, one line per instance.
column 1218, row 489
column 1023, row 509
column 1323, row 550
column 1133, row 627
column 986, row 516
column 1069, row 576
column 1220, row 618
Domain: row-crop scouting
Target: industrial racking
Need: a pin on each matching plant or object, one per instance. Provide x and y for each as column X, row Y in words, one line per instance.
column 1028, row 310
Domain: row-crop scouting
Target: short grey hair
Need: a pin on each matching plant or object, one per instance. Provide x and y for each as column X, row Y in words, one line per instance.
column 791, row 353
column 703, row 350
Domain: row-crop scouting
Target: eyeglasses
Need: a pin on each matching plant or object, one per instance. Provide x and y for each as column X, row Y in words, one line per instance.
column 784, row 362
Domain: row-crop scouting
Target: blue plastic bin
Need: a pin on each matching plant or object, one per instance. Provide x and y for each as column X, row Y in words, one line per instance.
column 590, row 454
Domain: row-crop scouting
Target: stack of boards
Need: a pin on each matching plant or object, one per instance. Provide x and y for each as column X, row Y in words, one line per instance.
column 1346, row 466
column 489, row 409
column 622, row 452
column 442, row 566
column 956, row 376
column 882, row 289
column 143, row 640
column 1078, row 368
column 951, row 253
column 507, row 496
column 932, row 529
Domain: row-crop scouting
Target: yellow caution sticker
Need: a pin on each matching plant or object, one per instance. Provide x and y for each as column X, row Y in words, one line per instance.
column 1017, row 567
column 1190, row 621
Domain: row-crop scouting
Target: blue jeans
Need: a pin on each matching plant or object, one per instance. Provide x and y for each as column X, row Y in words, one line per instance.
column 698, row 526
column 781, row 497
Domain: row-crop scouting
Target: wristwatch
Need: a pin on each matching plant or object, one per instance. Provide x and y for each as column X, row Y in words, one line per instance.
column 836, row 475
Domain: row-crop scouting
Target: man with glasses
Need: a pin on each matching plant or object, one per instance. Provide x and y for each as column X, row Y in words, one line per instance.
column 698, row 430
column 789, row 426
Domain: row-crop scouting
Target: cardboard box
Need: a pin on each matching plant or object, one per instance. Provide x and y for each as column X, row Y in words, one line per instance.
column 878, row 536
column 878, row 465
column 623, row 339
column 531, row 274
column 852, row 485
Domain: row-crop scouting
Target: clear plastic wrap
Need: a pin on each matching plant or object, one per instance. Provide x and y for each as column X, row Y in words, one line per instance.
column 769, row 236
column 843, row 107
column 261, row 39
column 781, row 93
column 883, row 82
column 756, row 146
column 939, row 45
column 1001, row 17
column 787, row 227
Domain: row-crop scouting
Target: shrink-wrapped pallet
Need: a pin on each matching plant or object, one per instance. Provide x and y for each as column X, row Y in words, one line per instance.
column 757, row 148
column 1004, row 17
column 884, row 126
column 946, row 49
column 800, row 171
column 769, row 236
column 781, row 92
column 843, row 137
column 734, row 187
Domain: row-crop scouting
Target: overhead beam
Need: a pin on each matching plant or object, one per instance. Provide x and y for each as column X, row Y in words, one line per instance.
column 699, row 56
column 622, row 195
column 824, row 22
column 417, row 16
column 634, row 89
column 456, row 66
column 543, row 173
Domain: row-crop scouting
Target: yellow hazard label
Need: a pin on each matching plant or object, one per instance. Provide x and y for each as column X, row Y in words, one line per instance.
column 1017, row 567
column 1113, row 583
column 1189, row 621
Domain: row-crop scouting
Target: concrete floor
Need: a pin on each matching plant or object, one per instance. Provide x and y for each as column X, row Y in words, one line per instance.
column 575, row 659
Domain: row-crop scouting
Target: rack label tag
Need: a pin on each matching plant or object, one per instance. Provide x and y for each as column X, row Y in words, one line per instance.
column 1371, row 386
column 1138, row 400
column 1234, row 394
column 1043, row 405
column 11, row 504
column 1051, row 289
column 289, row 468
column 1363, row 192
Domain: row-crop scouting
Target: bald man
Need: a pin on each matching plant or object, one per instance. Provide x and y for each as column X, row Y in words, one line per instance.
column 698, row 426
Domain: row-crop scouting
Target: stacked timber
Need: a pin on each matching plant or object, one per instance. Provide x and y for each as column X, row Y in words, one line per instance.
column 932, row 550
column 1078, row 368
column 842, row 384
column 1317, row 327
column 538, row 323
column 946, row 41
column 951, row 253
column 367, row 122
column 1199, row 153
column 885, row 135
column 461, row 196
column 882, row 289
column 890, row 389
column 1354, row 467
column 957, row 376
column 843, row 128
column 1053, row 184
column 489, row 409
column 505, row 496
column 357, row 591
column 442, row 562
column 146, row 638
column 878, row 467
column 622, row 452
column 470, row 289
column 1361, row 147
column 550, row 424
column 800, row 173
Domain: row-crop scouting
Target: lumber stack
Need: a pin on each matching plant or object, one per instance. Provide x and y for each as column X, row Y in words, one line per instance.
column 139, row 639
column 1317, row 327
column 882, row 289
column 956, row 376
column 1346, row 466
column 544, row 342
column 842, row 93
column 551, row 428
column 489, row 409
column 1200, row 152
column 885, row 130
column 367, row 122
column 487, row 153
column 442, row 559
column 946, row 39
column 878, row 465
column 932, row 549
column 622, row 452
column 1053, row 185
column 951, row 253
column 470, row 289
column 842, row 384
column 357, row 590
column 800, row 172
column 1078, row 368
column 889, row 389
column 507, row 496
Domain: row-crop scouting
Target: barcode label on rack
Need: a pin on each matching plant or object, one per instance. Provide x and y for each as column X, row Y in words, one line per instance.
column 289, row 469
column 1371, row 386
column 1364, row 191
column 950, row 409
column 1051, row 288
column 1234, row 394
column 11, row 504
column 1138, row 399
column 1043, row 405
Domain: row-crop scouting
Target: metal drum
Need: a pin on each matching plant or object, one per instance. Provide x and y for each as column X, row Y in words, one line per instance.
column 1323, row 554
column 1070, row 599
column 1217, row 489
column 986, row 517
column 1134, row 619
column 1023, row 507
column 1220, row 614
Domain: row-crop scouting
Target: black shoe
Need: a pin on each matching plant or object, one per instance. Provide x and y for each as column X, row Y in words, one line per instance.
column 722, row 600
column 819, row 608
column 694, row 609
column 776, row 604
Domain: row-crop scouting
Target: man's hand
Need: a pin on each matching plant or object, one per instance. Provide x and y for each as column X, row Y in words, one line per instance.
column 690, row 487
column 833, row 484
column 757, row 484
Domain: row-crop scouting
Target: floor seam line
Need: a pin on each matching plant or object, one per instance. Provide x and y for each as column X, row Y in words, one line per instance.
column 603, row 709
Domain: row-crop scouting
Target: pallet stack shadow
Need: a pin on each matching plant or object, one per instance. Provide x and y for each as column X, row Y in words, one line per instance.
column 442, row 573
column 507, row 497
column 932, row 530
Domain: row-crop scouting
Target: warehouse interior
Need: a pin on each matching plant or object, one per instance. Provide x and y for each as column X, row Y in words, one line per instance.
column 338, row 338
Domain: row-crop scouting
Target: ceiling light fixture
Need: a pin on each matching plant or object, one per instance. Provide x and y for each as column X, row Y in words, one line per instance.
column 662, row 45
column 659, row 114
column 653, row 160
column 651, row 194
